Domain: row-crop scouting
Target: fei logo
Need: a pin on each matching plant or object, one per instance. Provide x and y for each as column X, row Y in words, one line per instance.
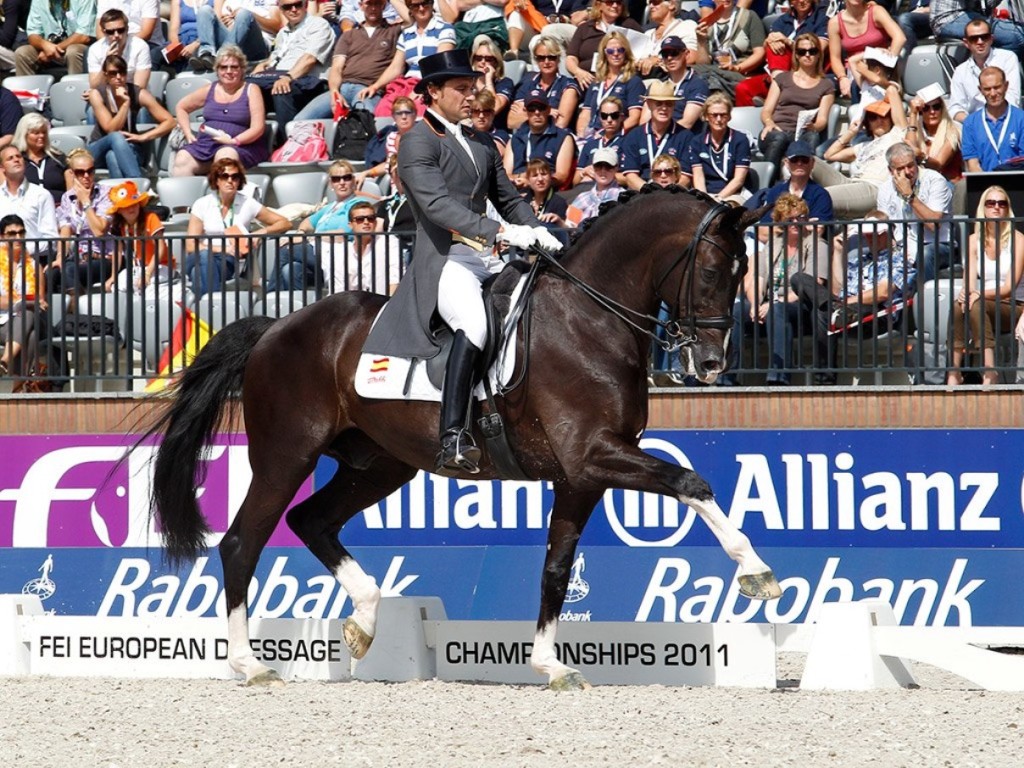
column 577, row 588
column 650, row 519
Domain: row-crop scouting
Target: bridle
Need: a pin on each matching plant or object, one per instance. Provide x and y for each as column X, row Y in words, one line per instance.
column 680, row 331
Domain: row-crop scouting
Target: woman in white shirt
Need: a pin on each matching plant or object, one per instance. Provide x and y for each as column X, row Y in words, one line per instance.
column 219, row 222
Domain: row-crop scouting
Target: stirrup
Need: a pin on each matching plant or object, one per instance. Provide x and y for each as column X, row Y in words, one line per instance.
column 458, row 452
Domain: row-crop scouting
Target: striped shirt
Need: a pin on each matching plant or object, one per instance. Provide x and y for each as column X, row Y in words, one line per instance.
column 415, row 44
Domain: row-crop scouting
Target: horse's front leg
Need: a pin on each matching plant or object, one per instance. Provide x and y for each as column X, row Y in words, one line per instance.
column 619, row 464
column 568, row 517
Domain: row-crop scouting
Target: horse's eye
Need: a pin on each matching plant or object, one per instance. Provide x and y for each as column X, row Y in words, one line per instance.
column 709, row 275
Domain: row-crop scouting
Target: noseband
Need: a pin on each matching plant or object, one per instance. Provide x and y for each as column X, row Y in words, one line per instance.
column 682, row 331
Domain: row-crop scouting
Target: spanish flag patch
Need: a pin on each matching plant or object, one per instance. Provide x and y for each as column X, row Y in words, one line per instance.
column 379, row 364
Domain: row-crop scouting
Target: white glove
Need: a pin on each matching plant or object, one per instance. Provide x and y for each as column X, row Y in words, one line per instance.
column 518, row 236
column 546, row 240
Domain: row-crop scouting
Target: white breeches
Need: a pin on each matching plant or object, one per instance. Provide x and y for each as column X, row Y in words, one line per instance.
column 460, row 295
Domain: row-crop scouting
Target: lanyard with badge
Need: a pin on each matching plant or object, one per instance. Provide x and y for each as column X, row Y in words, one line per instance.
column 652, row 151
column 1002, row 133
column 721, row 171
column 601, row 90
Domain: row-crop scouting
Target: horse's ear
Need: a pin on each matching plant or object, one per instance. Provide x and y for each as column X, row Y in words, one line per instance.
column 739, row 218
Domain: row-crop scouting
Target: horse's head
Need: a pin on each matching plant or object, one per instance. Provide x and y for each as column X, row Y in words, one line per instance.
column 712, row 267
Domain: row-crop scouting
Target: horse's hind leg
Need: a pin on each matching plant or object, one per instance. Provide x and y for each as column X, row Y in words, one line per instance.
column 568, row 517
column 317, row 521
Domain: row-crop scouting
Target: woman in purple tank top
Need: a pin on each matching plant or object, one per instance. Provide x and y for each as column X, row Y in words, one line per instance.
column 235, row 119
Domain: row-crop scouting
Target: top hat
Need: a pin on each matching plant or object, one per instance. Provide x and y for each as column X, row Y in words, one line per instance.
column 439, row 67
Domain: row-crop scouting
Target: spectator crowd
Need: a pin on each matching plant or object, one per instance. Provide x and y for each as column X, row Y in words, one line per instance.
column 805, row 106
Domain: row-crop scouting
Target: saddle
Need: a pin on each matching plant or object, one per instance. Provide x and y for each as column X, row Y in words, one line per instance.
column 497, row 295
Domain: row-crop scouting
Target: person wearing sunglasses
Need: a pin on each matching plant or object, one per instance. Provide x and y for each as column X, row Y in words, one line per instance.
column 481, row 117
column 582, row 55
column 663, row 13
column 360, row 57
column 23, row 308
column 58, row 37
column 612, row 114
column 950, row 18
column 992, row 295
column 117, row 39
column 118, row 142
column 800, row 17
column 230, row 105
column 83, row 219
column 384, row 145
column 247, row 24
column 691, row 88
column 487, row 59
column 144, row 22
column 614, row 75
column 540, row 139
column 298, row 263
column 805, row 87
column 365, row 260
column 993, row 136
column 934, row 135
column 924, row 199
column 562, row 92
column 450, row 174
column 219, row 228
column 660, row 135
column 964, row 95
column 293, row 75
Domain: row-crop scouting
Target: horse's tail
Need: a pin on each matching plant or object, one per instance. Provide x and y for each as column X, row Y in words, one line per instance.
column 190, row 422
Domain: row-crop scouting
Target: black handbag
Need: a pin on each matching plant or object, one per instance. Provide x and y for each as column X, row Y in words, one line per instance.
column 352, row 133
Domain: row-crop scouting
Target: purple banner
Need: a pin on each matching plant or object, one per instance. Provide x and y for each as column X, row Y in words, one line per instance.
column 74, row 491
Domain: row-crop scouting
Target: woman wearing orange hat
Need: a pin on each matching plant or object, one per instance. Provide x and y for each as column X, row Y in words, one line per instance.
column 140, row 249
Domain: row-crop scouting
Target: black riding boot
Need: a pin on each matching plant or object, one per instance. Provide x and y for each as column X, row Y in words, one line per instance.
column 458, row 450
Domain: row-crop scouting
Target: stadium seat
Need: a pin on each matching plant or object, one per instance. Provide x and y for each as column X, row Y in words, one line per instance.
column 748, row 120
column 69, row 137
column 158, row 79
column 153, row 323
column 260, row 184
column 281, row 303
column 761, row 175
column 924, row 68
column 30, row 83
column 306, row 188
column 514, row 70
column 179, row 193
column 178, row 88
column 218, row 308
column 66, row 102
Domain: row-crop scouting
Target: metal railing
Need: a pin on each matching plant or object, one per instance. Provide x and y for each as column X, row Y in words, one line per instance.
column 93, row 339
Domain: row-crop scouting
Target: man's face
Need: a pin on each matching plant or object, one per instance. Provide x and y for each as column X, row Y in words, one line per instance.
column 373, row 10
column 673, row 59
column 978, row 39
column 116, row 34
column 661, row 111
column 454, row 98
column 537, row 116
column 604, row 174
column 363, row 221
column 904, row 167
column 294, row 11
column 13, row 237
column 13, row 164
column 993, row 87
column 799, row 167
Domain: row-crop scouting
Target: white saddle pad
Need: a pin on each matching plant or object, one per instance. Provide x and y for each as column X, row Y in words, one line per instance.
column 380, row 377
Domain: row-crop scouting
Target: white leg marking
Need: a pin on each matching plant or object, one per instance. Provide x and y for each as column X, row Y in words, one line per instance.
column 543, row 658
column 364, row 592
column 733, row 540
column 240, row 655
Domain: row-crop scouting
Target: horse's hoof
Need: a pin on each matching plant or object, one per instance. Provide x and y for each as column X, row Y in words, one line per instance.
column 356, row 638
column 266, row 679
column 760, row 586
column 573, row 681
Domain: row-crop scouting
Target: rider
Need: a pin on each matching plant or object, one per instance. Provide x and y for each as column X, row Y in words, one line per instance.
column 449, row 172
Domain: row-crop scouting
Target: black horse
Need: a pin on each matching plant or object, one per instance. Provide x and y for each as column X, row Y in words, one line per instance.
column 575, row 419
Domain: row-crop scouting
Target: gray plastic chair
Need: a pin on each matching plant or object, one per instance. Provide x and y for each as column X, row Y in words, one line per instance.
column 69, row 137
column 299, row 188
column 66, row 102
column 281, row 303
column 178, row 88
column 158, row 80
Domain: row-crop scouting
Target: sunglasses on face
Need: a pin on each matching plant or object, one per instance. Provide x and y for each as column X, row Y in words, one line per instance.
column 613, row 2
column 997, row 204
column 662, row 172
column 493, row 61
column 671, row 53
column 982, row 38
column 235, row 177
column 482, row 111
column 603, row 166
column 111, row 31
column 538, row 108
column 806, row 52
column 342, row 177
column 718, row 116
column 291, row 6
column 367, row 219
column 403, row 113
column 799, row 160
column 115, row 73
column 14, row 233
column 83, row 171
column 610, row 115
column 545, row 57
column 614, row 51
column 934, row 107
column 799, row 218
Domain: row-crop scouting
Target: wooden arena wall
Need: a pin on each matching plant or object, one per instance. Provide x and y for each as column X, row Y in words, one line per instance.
column 885, row 408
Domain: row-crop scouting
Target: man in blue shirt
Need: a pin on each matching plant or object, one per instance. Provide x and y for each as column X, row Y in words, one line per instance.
column 993, row 136
column 540, row 138
column 799, row 162
column 691, row 89
column 660, row 136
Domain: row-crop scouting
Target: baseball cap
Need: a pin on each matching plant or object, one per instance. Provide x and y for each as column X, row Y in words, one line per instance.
column 536, row 99
column 799, row 149
column 606, row 155
column 673, row 43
